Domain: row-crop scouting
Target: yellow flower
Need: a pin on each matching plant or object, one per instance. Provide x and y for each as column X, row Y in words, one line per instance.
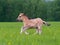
column 9, row 43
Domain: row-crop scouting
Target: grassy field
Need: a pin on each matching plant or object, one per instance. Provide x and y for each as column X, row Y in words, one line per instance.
column 10, row 34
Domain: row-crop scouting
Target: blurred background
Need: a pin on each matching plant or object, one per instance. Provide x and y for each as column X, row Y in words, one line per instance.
column 48, row 10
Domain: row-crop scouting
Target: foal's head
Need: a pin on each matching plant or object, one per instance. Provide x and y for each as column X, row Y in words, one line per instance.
column 21, row 16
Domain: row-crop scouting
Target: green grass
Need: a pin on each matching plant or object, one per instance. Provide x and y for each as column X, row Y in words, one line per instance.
column 10, row 34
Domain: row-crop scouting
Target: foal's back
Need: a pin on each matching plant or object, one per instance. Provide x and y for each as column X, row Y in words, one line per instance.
column 36, row 21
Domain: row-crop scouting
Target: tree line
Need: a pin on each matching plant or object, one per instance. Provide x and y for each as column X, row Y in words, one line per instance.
column 47, row 10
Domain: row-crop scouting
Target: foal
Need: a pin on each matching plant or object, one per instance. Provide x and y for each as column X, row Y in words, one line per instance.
column 31, row 23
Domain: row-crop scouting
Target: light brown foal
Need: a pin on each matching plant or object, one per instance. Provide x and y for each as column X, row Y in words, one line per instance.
column 31, row 23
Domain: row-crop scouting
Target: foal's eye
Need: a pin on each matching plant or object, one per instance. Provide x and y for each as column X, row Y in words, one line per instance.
column 19, row 16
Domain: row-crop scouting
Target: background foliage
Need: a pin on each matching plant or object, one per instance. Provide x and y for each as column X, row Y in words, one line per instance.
column 47, row 10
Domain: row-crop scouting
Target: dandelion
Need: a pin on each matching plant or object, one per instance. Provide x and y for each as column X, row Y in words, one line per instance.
column 9, row 43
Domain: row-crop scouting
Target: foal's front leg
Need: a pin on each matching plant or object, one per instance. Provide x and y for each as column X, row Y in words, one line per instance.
column 23, row 29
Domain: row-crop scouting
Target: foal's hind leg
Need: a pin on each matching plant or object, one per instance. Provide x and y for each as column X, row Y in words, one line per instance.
column 36, row 31
column 39, row 30
column 23, row 29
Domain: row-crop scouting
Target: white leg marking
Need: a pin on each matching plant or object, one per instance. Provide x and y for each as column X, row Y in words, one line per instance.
column 39, row 30
column 26, row 33
column 21, row 30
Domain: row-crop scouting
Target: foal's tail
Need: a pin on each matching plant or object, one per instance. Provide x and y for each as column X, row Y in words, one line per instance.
column 46, row 23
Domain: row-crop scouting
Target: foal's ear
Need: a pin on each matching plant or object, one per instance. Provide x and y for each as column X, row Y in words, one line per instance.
column 21, row 14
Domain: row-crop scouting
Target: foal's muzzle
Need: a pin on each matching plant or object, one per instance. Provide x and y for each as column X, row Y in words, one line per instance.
column 18, row 20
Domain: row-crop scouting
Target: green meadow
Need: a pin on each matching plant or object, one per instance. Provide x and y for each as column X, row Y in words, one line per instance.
column 10, row 34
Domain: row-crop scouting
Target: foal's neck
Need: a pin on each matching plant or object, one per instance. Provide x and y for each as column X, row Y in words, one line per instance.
column 25, row 19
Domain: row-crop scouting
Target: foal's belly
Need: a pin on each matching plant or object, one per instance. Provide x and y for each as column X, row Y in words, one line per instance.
column 32, row 25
